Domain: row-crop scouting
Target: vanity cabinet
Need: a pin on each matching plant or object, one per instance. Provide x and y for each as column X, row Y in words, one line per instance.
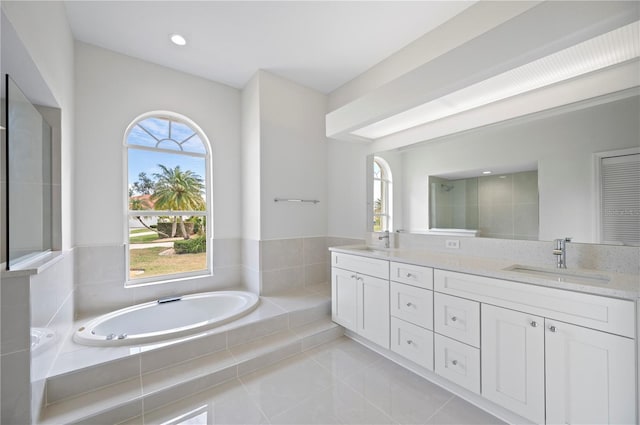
column 411, row 309
column 457, row 340
column 547, row 354
column 344, row 293
column 589, row 376
column 513, row 361
column 360, row 296
column 545, row 346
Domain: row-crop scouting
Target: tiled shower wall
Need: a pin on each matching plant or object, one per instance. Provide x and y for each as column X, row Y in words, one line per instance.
column 42, row 300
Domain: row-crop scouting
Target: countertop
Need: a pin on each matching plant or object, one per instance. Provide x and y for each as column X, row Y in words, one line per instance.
column 573, row 279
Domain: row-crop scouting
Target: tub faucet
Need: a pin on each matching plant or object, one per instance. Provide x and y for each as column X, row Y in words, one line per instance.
column 386, row 237
column 560, row 251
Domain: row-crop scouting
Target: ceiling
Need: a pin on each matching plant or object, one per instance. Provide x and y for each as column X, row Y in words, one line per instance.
column 318, row 44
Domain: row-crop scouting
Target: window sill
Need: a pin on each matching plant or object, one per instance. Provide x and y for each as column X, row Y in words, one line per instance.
column 35, row 266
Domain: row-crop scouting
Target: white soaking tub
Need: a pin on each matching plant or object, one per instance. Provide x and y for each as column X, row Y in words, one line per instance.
column 166, row 318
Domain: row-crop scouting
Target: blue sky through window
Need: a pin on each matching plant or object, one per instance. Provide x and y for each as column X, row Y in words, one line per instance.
column 147, row 160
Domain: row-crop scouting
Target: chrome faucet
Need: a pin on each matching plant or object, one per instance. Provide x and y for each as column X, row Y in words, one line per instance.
column 560, row 251
column 386, row 236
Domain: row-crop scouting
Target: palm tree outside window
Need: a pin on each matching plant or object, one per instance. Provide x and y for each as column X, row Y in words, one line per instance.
column 382, row 195
column 168, row 198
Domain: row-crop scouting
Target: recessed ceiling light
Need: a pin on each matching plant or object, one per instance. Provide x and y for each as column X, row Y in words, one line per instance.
column 486, row 172
column 178, row 40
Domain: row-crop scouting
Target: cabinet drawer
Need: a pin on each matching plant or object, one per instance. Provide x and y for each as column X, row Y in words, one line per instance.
column 593, row 311
column 412, row 304
column 413, row 342
column 412, row 275
column 459, row 363
column 457, row 318
column 365, row 265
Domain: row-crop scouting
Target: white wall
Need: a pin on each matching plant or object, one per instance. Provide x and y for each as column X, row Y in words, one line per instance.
column 43, row 29
column 293, row 159
column 112, row 90
column 251, row 159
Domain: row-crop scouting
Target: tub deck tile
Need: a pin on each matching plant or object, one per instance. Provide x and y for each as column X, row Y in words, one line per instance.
column 88, row 384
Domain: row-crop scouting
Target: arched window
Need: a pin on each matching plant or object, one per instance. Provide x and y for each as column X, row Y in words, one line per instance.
column 168, row 198
column 382, row 195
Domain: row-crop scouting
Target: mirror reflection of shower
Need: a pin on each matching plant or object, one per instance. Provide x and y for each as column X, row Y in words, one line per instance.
column 500, row 206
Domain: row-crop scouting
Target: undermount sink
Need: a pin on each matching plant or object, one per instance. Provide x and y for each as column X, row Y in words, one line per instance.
column 371, row 248
column 561, row 275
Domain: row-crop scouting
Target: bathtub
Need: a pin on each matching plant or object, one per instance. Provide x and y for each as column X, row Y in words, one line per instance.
column 166, row 318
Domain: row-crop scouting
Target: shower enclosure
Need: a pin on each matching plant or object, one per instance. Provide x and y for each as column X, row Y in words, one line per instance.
column 28, row 174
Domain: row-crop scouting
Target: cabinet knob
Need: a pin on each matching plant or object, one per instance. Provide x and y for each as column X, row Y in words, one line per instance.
column 353, row 276
column 409, row 342
column 534, row 324
column 454, row 362
column 454, row 318
column 409, row 304
column 552, row 328
column 409, row 275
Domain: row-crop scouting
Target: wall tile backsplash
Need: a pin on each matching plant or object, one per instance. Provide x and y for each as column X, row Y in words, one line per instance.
column 612, row 258
column 100, row 273
column 292, row 263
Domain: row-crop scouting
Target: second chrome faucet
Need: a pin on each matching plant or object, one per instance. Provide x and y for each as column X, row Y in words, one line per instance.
column 560, row 251
column 386, row 237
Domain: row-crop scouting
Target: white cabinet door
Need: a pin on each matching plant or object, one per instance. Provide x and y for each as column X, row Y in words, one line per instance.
column 590, row 376
column 344, row 296
column 373, row 309
column 513, row 361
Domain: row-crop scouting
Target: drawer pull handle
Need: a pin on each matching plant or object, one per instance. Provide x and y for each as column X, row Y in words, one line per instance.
column 552, row 328
column 409, row 304
column 454, row 362
column 534, row 324
column 454, row 318
column 409, row 342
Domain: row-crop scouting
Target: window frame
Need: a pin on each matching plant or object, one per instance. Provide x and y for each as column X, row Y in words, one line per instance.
column 207, row 213
column 386, row 188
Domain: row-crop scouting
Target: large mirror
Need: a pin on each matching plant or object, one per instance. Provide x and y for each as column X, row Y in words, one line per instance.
column 547, row 175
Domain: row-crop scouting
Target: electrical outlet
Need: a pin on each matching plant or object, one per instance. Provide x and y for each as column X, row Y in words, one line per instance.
column 452, row 243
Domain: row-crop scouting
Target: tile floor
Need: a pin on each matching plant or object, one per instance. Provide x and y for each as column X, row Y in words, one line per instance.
column 337, row 383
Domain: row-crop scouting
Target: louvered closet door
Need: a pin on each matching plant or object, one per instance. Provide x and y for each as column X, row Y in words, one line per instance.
column 620, row 179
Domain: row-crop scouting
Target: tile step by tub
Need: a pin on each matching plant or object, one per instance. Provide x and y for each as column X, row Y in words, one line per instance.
column 125, row 399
